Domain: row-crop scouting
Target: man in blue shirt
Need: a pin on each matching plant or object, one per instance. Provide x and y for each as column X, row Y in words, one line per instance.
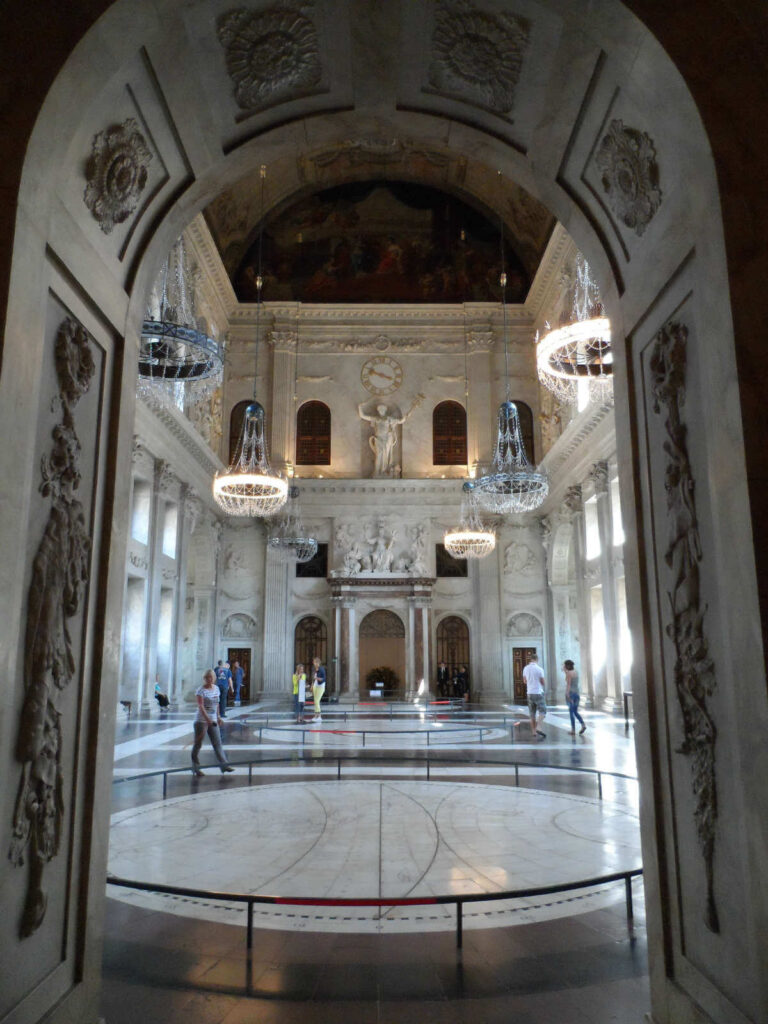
column 224, row 683
column 237, row 678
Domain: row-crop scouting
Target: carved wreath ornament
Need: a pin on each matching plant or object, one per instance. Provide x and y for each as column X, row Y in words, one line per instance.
column 626, row 159
column 477, row 55
column 60, row 573
column 269, row 52
column 116, row 173
column 694, row 671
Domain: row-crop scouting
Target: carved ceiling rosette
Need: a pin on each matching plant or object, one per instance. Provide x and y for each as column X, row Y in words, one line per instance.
column 477, row 55
column 694, row 671
column 626, row 159
column 116, row 173
column 269, row 53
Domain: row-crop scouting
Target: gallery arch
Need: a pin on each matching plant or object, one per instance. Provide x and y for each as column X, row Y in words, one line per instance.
column 82, row 249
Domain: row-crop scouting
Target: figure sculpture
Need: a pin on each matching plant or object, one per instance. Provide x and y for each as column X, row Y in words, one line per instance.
column 384, row 437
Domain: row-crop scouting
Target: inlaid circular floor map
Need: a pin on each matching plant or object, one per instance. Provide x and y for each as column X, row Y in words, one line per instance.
column 380, row 839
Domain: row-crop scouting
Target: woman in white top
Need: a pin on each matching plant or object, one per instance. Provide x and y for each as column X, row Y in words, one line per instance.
column 208, row 720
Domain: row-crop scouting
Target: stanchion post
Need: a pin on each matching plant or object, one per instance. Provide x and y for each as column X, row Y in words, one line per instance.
column 517, row 775
column 250, row 773
column 459, row 924
column 338, row 767
column 600, row 785
column 628, row 885
column 249, row 939
column 165, row 784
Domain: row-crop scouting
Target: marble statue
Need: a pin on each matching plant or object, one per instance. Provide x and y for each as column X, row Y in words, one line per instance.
column 384, row 437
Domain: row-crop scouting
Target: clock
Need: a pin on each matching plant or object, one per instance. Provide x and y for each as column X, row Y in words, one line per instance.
column 381, row 375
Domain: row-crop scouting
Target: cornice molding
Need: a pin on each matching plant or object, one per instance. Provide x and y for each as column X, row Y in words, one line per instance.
column 204, row 251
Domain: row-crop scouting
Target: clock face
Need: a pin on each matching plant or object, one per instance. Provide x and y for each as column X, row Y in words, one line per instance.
column 381, row 375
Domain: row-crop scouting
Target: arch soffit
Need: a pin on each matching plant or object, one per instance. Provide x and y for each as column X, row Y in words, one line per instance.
column 86, row 74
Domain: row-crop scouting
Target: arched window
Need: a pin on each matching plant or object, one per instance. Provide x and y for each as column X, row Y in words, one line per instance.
column 313, row 435
column 310, row 641
column 449, row 434
column 236, row 425
column 526, row 428
column 453, row 643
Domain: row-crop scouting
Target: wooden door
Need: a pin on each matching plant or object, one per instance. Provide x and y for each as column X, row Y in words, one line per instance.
column 519, row 661
column 243, row 655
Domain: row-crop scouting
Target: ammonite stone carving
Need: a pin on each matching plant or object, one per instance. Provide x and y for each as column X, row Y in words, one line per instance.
column 477, row 55
column 626, row 159
column 270, row 54
column 116, row 172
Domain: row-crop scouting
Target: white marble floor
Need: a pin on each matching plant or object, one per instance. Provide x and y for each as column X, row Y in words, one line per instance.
column 368, row 838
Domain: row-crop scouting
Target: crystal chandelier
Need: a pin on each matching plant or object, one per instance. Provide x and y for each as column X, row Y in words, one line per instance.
column 175, row 358
column 579, row 350
column 249, row 487
column 471, row 538
column 289, row 540
column 513, row 484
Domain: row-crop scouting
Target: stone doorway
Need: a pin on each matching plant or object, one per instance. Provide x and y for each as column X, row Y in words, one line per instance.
column 382, row 645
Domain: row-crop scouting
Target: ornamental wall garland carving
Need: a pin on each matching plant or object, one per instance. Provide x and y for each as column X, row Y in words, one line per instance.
column 694, row 671
column 270, row 54
column 477, row 54
column 629, row 174
column 116, row 173
column 60, row 574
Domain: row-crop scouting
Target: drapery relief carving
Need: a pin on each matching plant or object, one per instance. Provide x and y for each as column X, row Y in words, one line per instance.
column 60, row 574
column 477, row 54
column 694, row 671
column 626, row 159
column 116, row 173
column 270, row 54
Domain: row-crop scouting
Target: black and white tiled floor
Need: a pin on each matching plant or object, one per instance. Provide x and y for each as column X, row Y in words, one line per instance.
column 574, row 961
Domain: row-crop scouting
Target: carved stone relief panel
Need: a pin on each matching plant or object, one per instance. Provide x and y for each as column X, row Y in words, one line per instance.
column 239, row 626
column 520, row 559
column 524, row 624
column 116, row 173
column 684, row 610
column 271, row 54
column 629, row 175
column 46, row 747
column 477, row 54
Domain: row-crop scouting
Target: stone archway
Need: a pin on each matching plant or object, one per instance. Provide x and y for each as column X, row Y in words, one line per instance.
column 382, row 645
column 624, row 163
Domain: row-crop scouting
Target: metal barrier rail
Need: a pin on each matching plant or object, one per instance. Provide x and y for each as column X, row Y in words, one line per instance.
column 416, row 901
column 315, row 760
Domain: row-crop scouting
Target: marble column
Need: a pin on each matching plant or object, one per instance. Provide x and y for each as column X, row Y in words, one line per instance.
column 599, row 476
column 189, row 513
column 487, row 630
column 163, row 482
column 574, row 505
column 276, row 638
column 479, row 344
column 549, row 659
column 283, row 440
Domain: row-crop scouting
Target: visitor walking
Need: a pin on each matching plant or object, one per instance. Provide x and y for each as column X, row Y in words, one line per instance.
column 534, row 684
column 208, row 721
column 318, row 685
column 237, row 679
column 572, row 696
column 224, row 682
column 299, row 692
